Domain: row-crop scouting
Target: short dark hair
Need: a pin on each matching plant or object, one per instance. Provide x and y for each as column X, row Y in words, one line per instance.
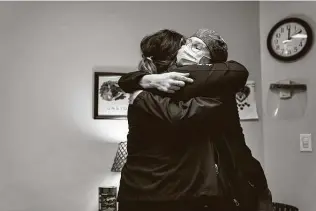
column 219, row 51
column 159, row 50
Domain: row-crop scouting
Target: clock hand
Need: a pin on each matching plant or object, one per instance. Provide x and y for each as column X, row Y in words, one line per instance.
column 297, row 32
column 288, row 34
column 286, row 41
column 299, row 36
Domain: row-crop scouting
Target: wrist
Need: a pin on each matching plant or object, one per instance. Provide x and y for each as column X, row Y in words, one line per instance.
column 146, row 82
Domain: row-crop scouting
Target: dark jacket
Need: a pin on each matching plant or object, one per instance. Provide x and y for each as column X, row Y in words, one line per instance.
column 221, row 81
column 159, row 153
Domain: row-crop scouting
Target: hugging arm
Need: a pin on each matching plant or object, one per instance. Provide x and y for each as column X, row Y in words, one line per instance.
column 195, row 101
column 167, row 82
column 130, row 82
column 215, row 80
column 219, row 79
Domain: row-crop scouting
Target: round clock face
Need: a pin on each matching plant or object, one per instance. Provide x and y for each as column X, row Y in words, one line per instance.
column 289, row 39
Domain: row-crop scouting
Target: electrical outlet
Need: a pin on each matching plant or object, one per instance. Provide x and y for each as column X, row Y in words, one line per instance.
column 306, row 142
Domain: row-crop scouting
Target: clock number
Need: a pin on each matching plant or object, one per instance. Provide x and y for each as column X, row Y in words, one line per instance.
column 278, row 35
column 295, row 49
column 282, row 51
column 288, row 27
column 277, row 47
column 289, row 52
column 276, row 41
column 282, row 30
column 301, row 44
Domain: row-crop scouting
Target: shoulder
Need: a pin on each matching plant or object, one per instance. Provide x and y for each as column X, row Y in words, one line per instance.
column 235, row 65
column 229, row 65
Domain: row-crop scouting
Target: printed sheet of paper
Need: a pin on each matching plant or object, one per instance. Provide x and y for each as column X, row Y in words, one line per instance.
column 246, row 102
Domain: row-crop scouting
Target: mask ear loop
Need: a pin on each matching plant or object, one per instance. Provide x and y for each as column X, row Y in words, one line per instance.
column 149, row 58
column 182, row 42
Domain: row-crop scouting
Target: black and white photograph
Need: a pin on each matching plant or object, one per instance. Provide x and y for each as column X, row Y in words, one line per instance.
column 157, row 105
column 110, row 101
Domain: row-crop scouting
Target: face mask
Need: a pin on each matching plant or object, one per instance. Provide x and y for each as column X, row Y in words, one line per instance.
column 186, row 56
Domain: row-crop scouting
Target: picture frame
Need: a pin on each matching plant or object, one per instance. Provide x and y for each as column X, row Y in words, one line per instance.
column 110, row 101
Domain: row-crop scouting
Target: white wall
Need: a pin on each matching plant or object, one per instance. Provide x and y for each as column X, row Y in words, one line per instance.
column 53, row 155
column 291, row 174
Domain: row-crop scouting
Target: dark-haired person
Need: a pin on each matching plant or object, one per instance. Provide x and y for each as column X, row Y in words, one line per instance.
column 220, row 82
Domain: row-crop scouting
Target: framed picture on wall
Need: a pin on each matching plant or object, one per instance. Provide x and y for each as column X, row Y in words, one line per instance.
column 110, row 101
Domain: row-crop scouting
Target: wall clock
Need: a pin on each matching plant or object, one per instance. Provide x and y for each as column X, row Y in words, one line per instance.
column 290, row 39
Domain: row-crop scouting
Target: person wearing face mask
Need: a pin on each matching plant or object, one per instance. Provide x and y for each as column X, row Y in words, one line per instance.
column 207, row 47
column 196, row 50
column 193, row 52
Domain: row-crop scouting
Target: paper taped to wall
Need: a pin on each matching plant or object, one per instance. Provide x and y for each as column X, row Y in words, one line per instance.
column 246, row 102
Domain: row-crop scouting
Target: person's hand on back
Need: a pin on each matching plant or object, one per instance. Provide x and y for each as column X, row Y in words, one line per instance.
column 166, row 82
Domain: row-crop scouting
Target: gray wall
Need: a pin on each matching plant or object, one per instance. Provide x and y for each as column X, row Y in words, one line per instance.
column 291, row 174
column 53, row 154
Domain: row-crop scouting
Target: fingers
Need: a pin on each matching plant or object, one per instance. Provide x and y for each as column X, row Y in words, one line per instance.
column 170, row 91
column 177, row 83
column 186, row 79
column 170, row 88
column 165, row 89
column 173, row 81
column 183, row 77
column 174, row 88
column 184, row 74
